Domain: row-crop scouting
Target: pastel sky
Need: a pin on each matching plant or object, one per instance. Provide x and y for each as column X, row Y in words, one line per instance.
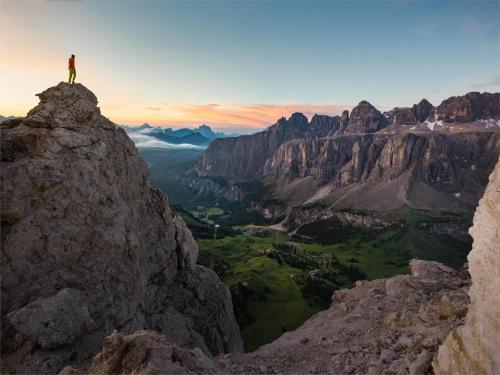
column 243, row 64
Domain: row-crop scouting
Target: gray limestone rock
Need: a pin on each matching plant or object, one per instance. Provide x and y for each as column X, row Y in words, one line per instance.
column 54, row 321
column 474, row 348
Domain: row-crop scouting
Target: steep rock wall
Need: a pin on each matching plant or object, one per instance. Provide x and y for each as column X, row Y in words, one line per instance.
column 452, row 168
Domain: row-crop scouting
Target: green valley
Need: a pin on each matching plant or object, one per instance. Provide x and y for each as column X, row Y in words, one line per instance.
column 278, row 281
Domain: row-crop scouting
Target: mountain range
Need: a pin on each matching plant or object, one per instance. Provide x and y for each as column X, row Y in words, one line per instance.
column 199, row 136
column 430, row 158
column 4, row 118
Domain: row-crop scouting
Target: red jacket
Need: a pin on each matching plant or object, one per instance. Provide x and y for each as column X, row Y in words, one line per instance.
column 71, row 63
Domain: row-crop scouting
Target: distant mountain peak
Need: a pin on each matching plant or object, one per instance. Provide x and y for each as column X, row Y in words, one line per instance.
column 365, row 118
column 422, row 110
column 144, row 126
column 207, row 132
column 470, row 107
column 298, row 119
column 365, row 102
column 424, row 102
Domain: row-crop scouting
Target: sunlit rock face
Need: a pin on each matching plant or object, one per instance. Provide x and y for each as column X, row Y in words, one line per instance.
column 89, row 247
column 474, row 348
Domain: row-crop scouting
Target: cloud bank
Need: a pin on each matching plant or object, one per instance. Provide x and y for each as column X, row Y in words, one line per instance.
column 142, row 140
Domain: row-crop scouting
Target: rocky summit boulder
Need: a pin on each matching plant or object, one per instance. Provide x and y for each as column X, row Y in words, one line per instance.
column 89, row 247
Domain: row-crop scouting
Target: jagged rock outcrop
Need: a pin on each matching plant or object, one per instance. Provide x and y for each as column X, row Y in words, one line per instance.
column 408, row 116
column 85, row 238
column 365, row 118
column 474, row 348
column 391, row 326
column 469, row 107
column 308, row 214
column 322, row 125
column 422, row 110
column 401, row 116
column 344, row 121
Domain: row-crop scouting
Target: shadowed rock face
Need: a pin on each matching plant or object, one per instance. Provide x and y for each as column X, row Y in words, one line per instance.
column 321, row 126
column 84, row 237
column 474, row 348
column 243, row 157
column 422, row 110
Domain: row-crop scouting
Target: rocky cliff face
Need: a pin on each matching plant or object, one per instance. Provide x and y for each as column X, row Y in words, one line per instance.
column 474, row 348
column 242, row 158
column 89, row 247
column 383, row 172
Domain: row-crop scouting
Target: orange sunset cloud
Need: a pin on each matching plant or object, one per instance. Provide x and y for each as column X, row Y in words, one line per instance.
column 226, row 116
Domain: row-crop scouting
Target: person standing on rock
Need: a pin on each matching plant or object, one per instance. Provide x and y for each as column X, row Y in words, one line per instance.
column 72, row 70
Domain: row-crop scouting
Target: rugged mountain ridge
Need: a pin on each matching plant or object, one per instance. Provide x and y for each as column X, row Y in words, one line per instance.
column 424, row 157
column 200, row 136
column 89, row 247
column 469, row 107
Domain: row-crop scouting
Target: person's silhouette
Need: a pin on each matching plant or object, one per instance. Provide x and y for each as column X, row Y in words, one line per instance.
column 72, row 70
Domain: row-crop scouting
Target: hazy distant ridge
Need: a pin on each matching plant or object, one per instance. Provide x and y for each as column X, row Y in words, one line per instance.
column 149, row 136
